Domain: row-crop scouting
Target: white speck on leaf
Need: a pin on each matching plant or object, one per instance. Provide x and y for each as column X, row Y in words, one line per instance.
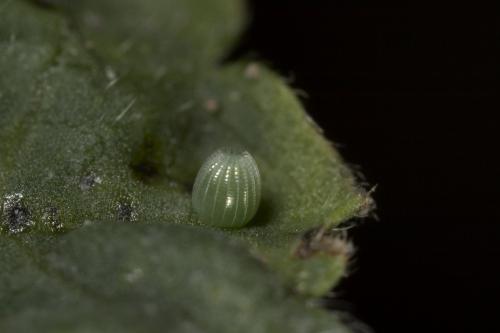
column 134, row 275
column 185, row 106
column 252, row 71
column 111, row 76
column 127, row 108
column 235, row 96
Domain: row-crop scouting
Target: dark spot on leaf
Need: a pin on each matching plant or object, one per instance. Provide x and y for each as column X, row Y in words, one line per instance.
column 19, row 217
column 51, row 219
column 16, row 216
column 44, row 3
column 147, row 161
column 126, row 212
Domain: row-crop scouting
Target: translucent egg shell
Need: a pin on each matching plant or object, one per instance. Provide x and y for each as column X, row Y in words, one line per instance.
column 227, row 189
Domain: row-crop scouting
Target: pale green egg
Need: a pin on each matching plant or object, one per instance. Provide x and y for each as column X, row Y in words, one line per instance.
column 227, row 189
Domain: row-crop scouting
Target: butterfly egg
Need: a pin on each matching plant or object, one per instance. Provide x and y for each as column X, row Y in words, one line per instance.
column 226, row 192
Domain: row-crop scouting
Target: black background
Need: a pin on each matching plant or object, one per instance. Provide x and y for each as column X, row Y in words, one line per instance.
column 408, row 92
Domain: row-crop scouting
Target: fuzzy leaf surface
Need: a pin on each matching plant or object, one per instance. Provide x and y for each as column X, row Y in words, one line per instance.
column 108, row 109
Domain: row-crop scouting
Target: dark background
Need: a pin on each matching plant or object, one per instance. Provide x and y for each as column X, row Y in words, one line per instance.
column 408, row 92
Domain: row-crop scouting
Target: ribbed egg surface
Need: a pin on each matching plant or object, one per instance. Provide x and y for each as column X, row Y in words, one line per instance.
column 227, row 189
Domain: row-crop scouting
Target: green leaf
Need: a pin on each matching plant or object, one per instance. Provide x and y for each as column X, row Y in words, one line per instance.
column 108, row 109
column 157, row 39
column 140, row 278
